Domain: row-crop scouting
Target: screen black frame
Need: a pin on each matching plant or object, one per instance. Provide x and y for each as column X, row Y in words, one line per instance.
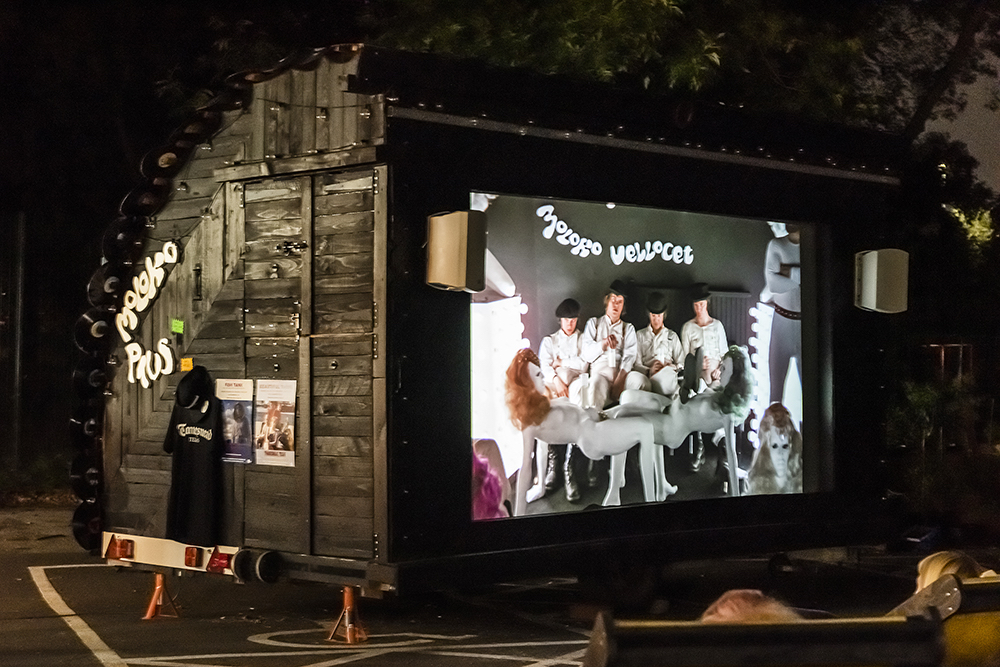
column 433, row 167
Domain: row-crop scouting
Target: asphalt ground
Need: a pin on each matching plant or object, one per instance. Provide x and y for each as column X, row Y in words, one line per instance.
column 62, row 605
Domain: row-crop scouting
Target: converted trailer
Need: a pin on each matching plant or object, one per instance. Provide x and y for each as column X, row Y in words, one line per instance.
column 281, row 242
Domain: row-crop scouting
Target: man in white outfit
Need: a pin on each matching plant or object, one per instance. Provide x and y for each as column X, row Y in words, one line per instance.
column 702, row 336
column 611, row 348
column 565, row 374
column 707, row 333
column 661, row 355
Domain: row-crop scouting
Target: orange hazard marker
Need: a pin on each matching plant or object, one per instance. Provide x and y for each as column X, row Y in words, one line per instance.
column 161, row 597
column 348, row 627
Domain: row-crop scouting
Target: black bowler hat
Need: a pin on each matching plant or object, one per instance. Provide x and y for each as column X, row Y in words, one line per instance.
column 617, row 287
column 656, row 303
column 699, row 292
column 568, row 309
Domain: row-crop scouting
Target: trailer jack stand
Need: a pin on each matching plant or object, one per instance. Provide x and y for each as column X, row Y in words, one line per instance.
column 161, row 598
column 348, row 627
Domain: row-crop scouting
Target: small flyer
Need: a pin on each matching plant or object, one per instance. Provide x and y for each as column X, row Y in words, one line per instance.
column 236, row 397
column 274, row 432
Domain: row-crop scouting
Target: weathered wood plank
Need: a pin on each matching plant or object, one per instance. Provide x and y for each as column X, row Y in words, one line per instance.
column 342, row 406
column 342, row 547
column 342, row 466
column 226, row 310
column 187, row 207
column 271, row 348
column 302, row 133
column 269, row 329
column 353, row 385
column 145, row 476
column 337, row 425
column 225, row 329
column 344, row 507
column 261, row 310
column 283, row 91
column 344, row 283
column 343, row 243
column 339, row 527
column 276, row 368
column 344, row 223
column 273, row 269
column 345, row 365
column 234, row 236
column 272, row 288
column 350, row 487
column 334, row 313
column 342, row 203
column 271, row 209
column 274, row 230
column 221, row 363
column 158, row 462
column 342, row 264
column 346, row 181
column 342, row 344
column 214, row 346
column 342, row 445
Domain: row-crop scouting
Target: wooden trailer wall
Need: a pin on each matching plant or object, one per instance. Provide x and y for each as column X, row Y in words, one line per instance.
column 281, row 217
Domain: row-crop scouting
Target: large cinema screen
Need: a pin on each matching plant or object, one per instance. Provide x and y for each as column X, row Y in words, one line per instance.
column 631, row 335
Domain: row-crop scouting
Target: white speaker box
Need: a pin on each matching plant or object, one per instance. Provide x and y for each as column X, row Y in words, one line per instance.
column 456, row 251
column 881, row 280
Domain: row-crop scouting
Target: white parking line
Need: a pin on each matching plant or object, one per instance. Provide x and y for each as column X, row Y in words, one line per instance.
column 89, row 638
column 406, row 642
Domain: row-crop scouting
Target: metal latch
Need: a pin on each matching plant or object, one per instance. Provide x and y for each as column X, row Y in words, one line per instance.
column 289, row 248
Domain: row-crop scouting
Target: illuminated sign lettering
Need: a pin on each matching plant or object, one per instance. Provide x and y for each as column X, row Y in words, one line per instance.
column 146, row 365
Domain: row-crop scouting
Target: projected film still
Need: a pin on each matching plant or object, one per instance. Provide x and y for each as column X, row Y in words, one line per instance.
column 624, row 355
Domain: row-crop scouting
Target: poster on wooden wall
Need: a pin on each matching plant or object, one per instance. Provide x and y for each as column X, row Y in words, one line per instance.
column 274, row 425
column 237, row 418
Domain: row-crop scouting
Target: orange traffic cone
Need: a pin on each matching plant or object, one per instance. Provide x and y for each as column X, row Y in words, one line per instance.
column 161, row 597
column 348, row 627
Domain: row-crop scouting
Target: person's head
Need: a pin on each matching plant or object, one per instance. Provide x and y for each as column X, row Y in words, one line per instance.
column 524, row 387
column 656, row 306
column 239, row 412
column 748, row 606
column 568, row 313
column 699, row 300
column 614, row 301
column 938, row 564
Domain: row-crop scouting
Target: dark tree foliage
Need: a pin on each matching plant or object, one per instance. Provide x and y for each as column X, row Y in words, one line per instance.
column 91, row 86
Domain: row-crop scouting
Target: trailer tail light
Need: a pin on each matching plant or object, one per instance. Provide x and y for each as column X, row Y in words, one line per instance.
column 192, row 557
column 218, row 562
column 119, row 548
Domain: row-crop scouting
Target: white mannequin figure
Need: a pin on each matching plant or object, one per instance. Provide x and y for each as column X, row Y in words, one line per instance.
column 544, row 421
column 721, row 408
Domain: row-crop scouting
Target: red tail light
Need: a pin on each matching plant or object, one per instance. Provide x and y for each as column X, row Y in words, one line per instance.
column 218, row 562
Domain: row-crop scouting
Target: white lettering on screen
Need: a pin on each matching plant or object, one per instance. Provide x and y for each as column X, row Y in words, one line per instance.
column 582, row 247
column 633, row 252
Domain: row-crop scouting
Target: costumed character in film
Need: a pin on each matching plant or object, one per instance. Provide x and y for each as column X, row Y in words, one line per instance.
column 777, row 461
column 565, row 374
column 704, row 341
column 542, row 421
column 195, row 441
column 661, row 355
column 611, row 348
column 718, row 409
column 782, row 291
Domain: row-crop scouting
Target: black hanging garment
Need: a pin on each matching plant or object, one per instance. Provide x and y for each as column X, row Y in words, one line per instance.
column 195, row 439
